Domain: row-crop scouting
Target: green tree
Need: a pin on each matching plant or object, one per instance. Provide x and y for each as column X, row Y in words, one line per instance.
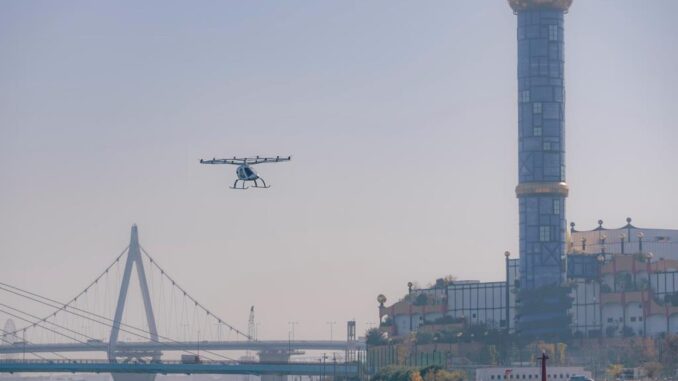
column 421, row 300
column 375, row 336
column 489, row 355
column 561, row 353
column 397, row 373
column 670, row 355
column 615, row 370
column 437, row 373
column 424, row 337
column 652, row 369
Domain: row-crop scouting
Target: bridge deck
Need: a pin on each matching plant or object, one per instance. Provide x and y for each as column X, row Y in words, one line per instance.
column 185, row 346
column 169, row 367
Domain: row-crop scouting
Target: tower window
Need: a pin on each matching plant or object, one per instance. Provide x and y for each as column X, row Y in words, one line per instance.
column 525, row 96
column 553, row 32
column 536, row 108
column 556, row 206
column 536, row 131
column 544, row 233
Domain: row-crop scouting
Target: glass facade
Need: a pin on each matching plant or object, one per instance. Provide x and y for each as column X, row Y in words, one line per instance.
column 541, row 122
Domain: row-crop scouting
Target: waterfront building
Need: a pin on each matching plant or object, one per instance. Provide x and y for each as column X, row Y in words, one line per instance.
column 621, row 282
column 554, row 373
column 616, row 291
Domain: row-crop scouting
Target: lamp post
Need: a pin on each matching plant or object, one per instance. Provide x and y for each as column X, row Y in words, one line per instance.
column 622, row 237
column 648, row 258
column 601, row 262
column 507, row 255
column 292, row 324
column 331, row 324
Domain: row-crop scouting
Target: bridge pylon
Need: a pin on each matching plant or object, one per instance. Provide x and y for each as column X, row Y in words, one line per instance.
column 133, row 258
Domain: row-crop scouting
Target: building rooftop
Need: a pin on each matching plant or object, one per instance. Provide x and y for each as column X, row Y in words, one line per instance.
column 519, row 5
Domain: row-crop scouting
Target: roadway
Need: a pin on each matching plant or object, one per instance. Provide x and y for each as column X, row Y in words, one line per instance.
column 264, row 345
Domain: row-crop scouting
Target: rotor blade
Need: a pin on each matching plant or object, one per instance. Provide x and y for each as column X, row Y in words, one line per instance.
column 223, row 161
column 260, row 160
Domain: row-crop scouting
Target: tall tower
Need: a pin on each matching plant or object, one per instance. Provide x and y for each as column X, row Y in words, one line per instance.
column 541, row 189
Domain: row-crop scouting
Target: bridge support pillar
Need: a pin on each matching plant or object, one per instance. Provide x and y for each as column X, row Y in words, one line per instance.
column 274, row 355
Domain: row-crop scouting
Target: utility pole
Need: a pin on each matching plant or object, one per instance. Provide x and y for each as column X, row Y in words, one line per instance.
column 543, row 359
column 292, row 324
column 331, row 324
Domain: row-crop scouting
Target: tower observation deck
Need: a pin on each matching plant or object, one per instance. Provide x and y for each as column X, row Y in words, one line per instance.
column 541, row 189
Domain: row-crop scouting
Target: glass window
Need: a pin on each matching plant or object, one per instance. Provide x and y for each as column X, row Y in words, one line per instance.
column 553, row 32
column 544, row 233
column 536, row 131
column 536, row 108
column 556, row 206
column 547, row 146
column 525, row 96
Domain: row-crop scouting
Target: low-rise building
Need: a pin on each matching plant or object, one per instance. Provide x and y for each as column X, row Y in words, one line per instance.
column 619, row 287
column 553, row 373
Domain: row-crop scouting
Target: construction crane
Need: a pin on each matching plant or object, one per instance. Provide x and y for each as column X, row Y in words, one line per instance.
column 251, row 327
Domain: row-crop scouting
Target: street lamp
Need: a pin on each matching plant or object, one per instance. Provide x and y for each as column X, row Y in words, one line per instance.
column 292, row 324
column 649, row 257
column 622, row 237
column 331, row 324
column 507, row 255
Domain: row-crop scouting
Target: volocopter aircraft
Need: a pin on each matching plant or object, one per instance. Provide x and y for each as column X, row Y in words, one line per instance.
column 244, row 172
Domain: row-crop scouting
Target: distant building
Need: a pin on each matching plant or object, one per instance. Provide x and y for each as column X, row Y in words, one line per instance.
column 471, row 302
column 620, row 286
column 622, row 282
column 554, row 373
column 618, row 289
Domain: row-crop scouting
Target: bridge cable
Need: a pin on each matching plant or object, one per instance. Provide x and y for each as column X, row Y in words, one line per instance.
column 49, row 329
column 94, row 282
column 197, row 304
column 97, row 321
column 32, row 353
column 54, row 324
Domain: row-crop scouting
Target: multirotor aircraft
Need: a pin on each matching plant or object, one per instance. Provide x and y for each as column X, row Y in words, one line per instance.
column 244, row 172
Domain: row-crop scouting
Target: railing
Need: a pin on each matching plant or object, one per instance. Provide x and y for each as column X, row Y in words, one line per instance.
column 179, row 367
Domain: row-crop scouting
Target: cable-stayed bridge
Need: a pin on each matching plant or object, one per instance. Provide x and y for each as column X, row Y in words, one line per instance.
column 133, row 338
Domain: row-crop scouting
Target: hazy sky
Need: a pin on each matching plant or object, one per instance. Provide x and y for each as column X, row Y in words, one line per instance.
column 400, row 116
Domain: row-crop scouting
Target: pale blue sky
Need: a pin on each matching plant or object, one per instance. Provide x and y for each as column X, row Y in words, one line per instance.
column 400, row 115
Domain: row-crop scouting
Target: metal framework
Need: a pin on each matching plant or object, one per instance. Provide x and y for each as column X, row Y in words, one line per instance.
column 133, row 258
column 175, row 367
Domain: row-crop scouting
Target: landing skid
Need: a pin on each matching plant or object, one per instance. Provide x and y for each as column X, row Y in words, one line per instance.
column 243, row 187
column 256, row 184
